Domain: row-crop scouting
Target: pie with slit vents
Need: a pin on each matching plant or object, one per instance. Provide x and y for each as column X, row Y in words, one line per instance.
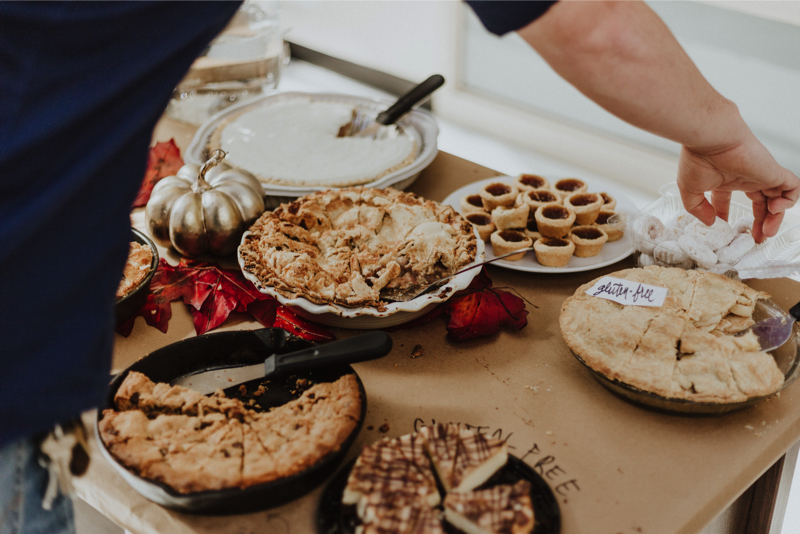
column 190, row 442
column 345, row 246
column 685, row 349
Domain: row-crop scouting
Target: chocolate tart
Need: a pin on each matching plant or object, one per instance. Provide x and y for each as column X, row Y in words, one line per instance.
column 536, row 198
column 483, row 224
column 531, row 182
column 532, row 229
column 612, row 223
column 512, row 217
column 589, row 240
column 498, row 194
column 585, row 205
column 553, row 252
column 505, row 241
column 554, row 220
column 472, row 204
column 609, row 202
column 568, row 186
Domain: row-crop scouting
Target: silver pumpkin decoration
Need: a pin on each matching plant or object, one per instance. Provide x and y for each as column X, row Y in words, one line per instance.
column 204, row 210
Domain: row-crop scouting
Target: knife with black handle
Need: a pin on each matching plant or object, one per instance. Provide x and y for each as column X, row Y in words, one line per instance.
column 370, row 346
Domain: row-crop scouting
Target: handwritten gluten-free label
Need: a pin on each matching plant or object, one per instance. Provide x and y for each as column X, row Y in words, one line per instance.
column 628, row 293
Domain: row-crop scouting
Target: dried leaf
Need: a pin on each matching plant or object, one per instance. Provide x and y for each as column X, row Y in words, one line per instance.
column 479, row 310
column 212, row 294
column 164, row 160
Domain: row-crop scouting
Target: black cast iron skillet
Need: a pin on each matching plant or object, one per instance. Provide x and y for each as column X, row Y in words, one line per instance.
column 221, row 350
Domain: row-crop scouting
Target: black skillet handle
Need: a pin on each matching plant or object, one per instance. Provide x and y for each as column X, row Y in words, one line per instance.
column 408, row 100
column 370, row 346
column 794, row 311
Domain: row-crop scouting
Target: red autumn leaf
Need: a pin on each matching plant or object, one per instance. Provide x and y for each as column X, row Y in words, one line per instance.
column 164, row 160
column 478, row 310
column 212, row 293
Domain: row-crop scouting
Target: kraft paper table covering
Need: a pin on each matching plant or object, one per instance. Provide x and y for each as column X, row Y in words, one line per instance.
column 614, row 467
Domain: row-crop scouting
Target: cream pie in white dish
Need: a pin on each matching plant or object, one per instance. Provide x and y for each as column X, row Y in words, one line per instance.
column 294, row 142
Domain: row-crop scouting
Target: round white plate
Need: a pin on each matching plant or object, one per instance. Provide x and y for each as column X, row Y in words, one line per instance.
column 611, row 252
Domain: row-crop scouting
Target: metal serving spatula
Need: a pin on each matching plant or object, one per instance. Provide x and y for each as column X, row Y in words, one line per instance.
column 775, row 331
column 367, row 125
column 404, row 295
column 370, row 346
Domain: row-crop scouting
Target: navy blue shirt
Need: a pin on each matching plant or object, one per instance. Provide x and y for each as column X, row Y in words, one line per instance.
column 503, row 16
column 82, row 86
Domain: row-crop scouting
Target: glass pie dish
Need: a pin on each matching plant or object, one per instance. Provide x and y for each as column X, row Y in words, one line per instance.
column 787, row 357
column 392, row 314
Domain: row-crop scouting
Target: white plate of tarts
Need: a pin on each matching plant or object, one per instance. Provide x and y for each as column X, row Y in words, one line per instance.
column 572, row 225
column 328, row 254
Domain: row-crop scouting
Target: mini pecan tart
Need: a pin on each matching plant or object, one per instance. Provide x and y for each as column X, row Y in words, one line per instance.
column 585, row 205
column 568, row 186
column 532, row 229
column 505, row 241
column 498, row 194
column 530, row 182
column 538, row 197
column 609, row 202
column 553, row 251
column 472, row 204
column 513, row 217
column 483, row 223
column 554, row 220
column 612, row 223
column 589, row 240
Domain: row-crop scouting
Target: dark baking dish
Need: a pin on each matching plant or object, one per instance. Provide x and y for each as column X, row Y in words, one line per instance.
column 335, row 518
column 227, row 349
column 128, row 305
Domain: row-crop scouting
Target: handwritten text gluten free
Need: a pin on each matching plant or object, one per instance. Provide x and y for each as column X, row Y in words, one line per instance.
column 628, row 293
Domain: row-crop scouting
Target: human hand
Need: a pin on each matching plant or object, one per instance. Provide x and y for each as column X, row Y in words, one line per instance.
column 745, row 166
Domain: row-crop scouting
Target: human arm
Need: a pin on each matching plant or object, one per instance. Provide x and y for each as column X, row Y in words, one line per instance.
column 623, row 57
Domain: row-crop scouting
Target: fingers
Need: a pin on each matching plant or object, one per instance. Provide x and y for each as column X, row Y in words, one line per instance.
column 698, row 205
column 772, row 224
column 759, row 214
column 721, row 200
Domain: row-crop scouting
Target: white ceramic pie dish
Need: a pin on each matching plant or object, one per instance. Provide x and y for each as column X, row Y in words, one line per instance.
column 366, row 318
column 419, row 123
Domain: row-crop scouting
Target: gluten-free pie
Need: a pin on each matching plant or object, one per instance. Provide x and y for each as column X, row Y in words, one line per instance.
column 530, row 182
column 483, row 224
column 344, row 246
column 568, row 186
column 431, row 481
column 191, row 442
column 498, row 194
column 684, row 349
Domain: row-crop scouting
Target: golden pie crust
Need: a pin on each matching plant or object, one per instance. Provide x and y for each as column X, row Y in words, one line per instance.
column 191, row 442
column 140, row 259
column 682, row 350
column 344, row 246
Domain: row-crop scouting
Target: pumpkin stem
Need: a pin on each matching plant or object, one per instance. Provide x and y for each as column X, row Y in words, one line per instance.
column 216, row 157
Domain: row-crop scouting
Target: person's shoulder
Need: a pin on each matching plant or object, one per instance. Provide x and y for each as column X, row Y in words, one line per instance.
column 503, row 16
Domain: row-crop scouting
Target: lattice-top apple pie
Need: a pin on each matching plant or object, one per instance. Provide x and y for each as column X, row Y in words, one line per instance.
column 345, row 246
column 685, row 349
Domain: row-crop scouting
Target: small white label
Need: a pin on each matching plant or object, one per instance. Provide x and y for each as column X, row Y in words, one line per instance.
column 628, row 293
